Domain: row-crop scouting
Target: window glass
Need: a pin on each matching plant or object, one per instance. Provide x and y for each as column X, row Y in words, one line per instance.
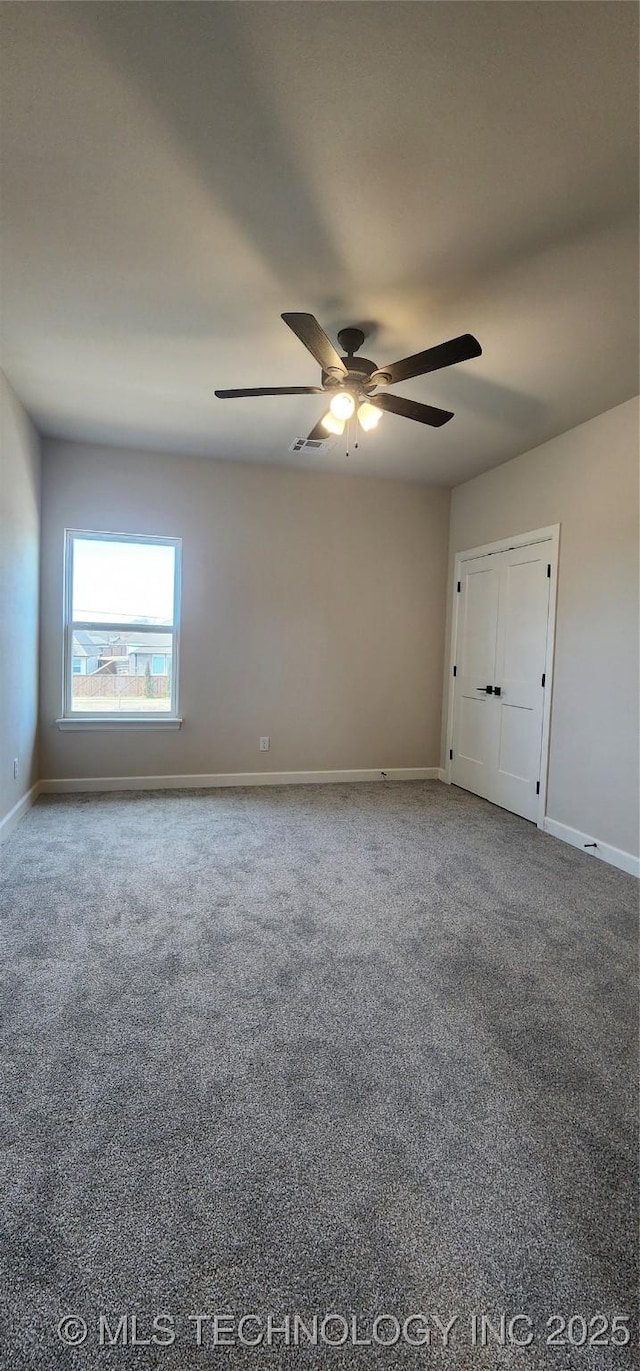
column 117, row 658
column 120, row 673
column 128, row 582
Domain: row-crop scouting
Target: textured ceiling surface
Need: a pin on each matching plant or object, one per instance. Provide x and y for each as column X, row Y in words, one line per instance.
column 176, row 175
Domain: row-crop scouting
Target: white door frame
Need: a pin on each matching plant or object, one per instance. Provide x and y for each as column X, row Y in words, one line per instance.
column 551, row 536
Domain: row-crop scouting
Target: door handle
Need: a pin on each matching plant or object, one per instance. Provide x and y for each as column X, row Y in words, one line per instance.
column 487, row 690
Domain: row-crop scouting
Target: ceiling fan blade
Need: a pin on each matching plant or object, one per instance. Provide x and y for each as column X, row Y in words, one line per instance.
column 318, row 432
column 433, row 359
column 268, row 390
column 410, row 409
column 307, row 329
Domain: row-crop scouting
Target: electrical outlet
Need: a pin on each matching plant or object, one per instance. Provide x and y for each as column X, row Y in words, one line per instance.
column 16, row 768
column 265, row 744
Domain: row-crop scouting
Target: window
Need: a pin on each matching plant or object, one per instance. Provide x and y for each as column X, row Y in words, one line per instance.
column 122, row 599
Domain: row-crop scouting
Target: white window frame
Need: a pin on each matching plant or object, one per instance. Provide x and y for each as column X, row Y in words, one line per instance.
column 108, row 719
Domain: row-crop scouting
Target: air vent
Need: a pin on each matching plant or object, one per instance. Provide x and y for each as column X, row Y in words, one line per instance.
column 312, row 444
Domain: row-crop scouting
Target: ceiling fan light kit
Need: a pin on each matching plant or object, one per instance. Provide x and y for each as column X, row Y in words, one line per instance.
column 332, row 424
column 368, row 416
column 353, row 382
column 342, row 404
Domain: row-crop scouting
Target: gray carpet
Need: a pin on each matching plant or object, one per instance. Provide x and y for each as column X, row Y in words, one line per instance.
column 354, row 1049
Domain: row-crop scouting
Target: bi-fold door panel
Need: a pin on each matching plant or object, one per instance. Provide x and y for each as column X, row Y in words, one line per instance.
column 520, row 667
column 498, row 691
column 475, row 724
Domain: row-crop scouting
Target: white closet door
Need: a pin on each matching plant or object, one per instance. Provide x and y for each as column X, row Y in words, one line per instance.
column 520, row 665
column 475, row 721
column 500, row 665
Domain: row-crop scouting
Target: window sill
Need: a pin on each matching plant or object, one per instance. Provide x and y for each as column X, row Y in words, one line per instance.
column 84, row 725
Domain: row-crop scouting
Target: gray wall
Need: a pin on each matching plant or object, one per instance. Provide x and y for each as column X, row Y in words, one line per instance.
column 313, row 610
column 586, row 480
column 19, row 578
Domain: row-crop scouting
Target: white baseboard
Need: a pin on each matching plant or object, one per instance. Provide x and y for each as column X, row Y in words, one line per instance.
column 443, row 776
column 12, row 819
column 80, row 784
column 606, row 853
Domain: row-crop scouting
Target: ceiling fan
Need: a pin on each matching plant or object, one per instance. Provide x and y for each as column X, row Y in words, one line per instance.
column 352, row 381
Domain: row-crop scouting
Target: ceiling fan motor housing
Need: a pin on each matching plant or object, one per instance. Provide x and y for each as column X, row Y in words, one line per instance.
column 359, row 369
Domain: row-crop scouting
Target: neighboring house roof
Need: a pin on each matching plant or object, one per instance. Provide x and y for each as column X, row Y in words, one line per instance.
column 149, row 642
column 92, row 642
column 82, row 638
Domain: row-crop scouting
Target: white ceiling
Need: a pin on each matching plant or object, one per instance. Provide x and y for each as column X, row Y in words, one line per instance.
column 176, row 175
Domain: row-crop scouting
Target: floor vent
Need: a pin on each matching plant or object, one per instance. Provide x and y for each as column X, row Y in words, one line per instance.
column 312, row 445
